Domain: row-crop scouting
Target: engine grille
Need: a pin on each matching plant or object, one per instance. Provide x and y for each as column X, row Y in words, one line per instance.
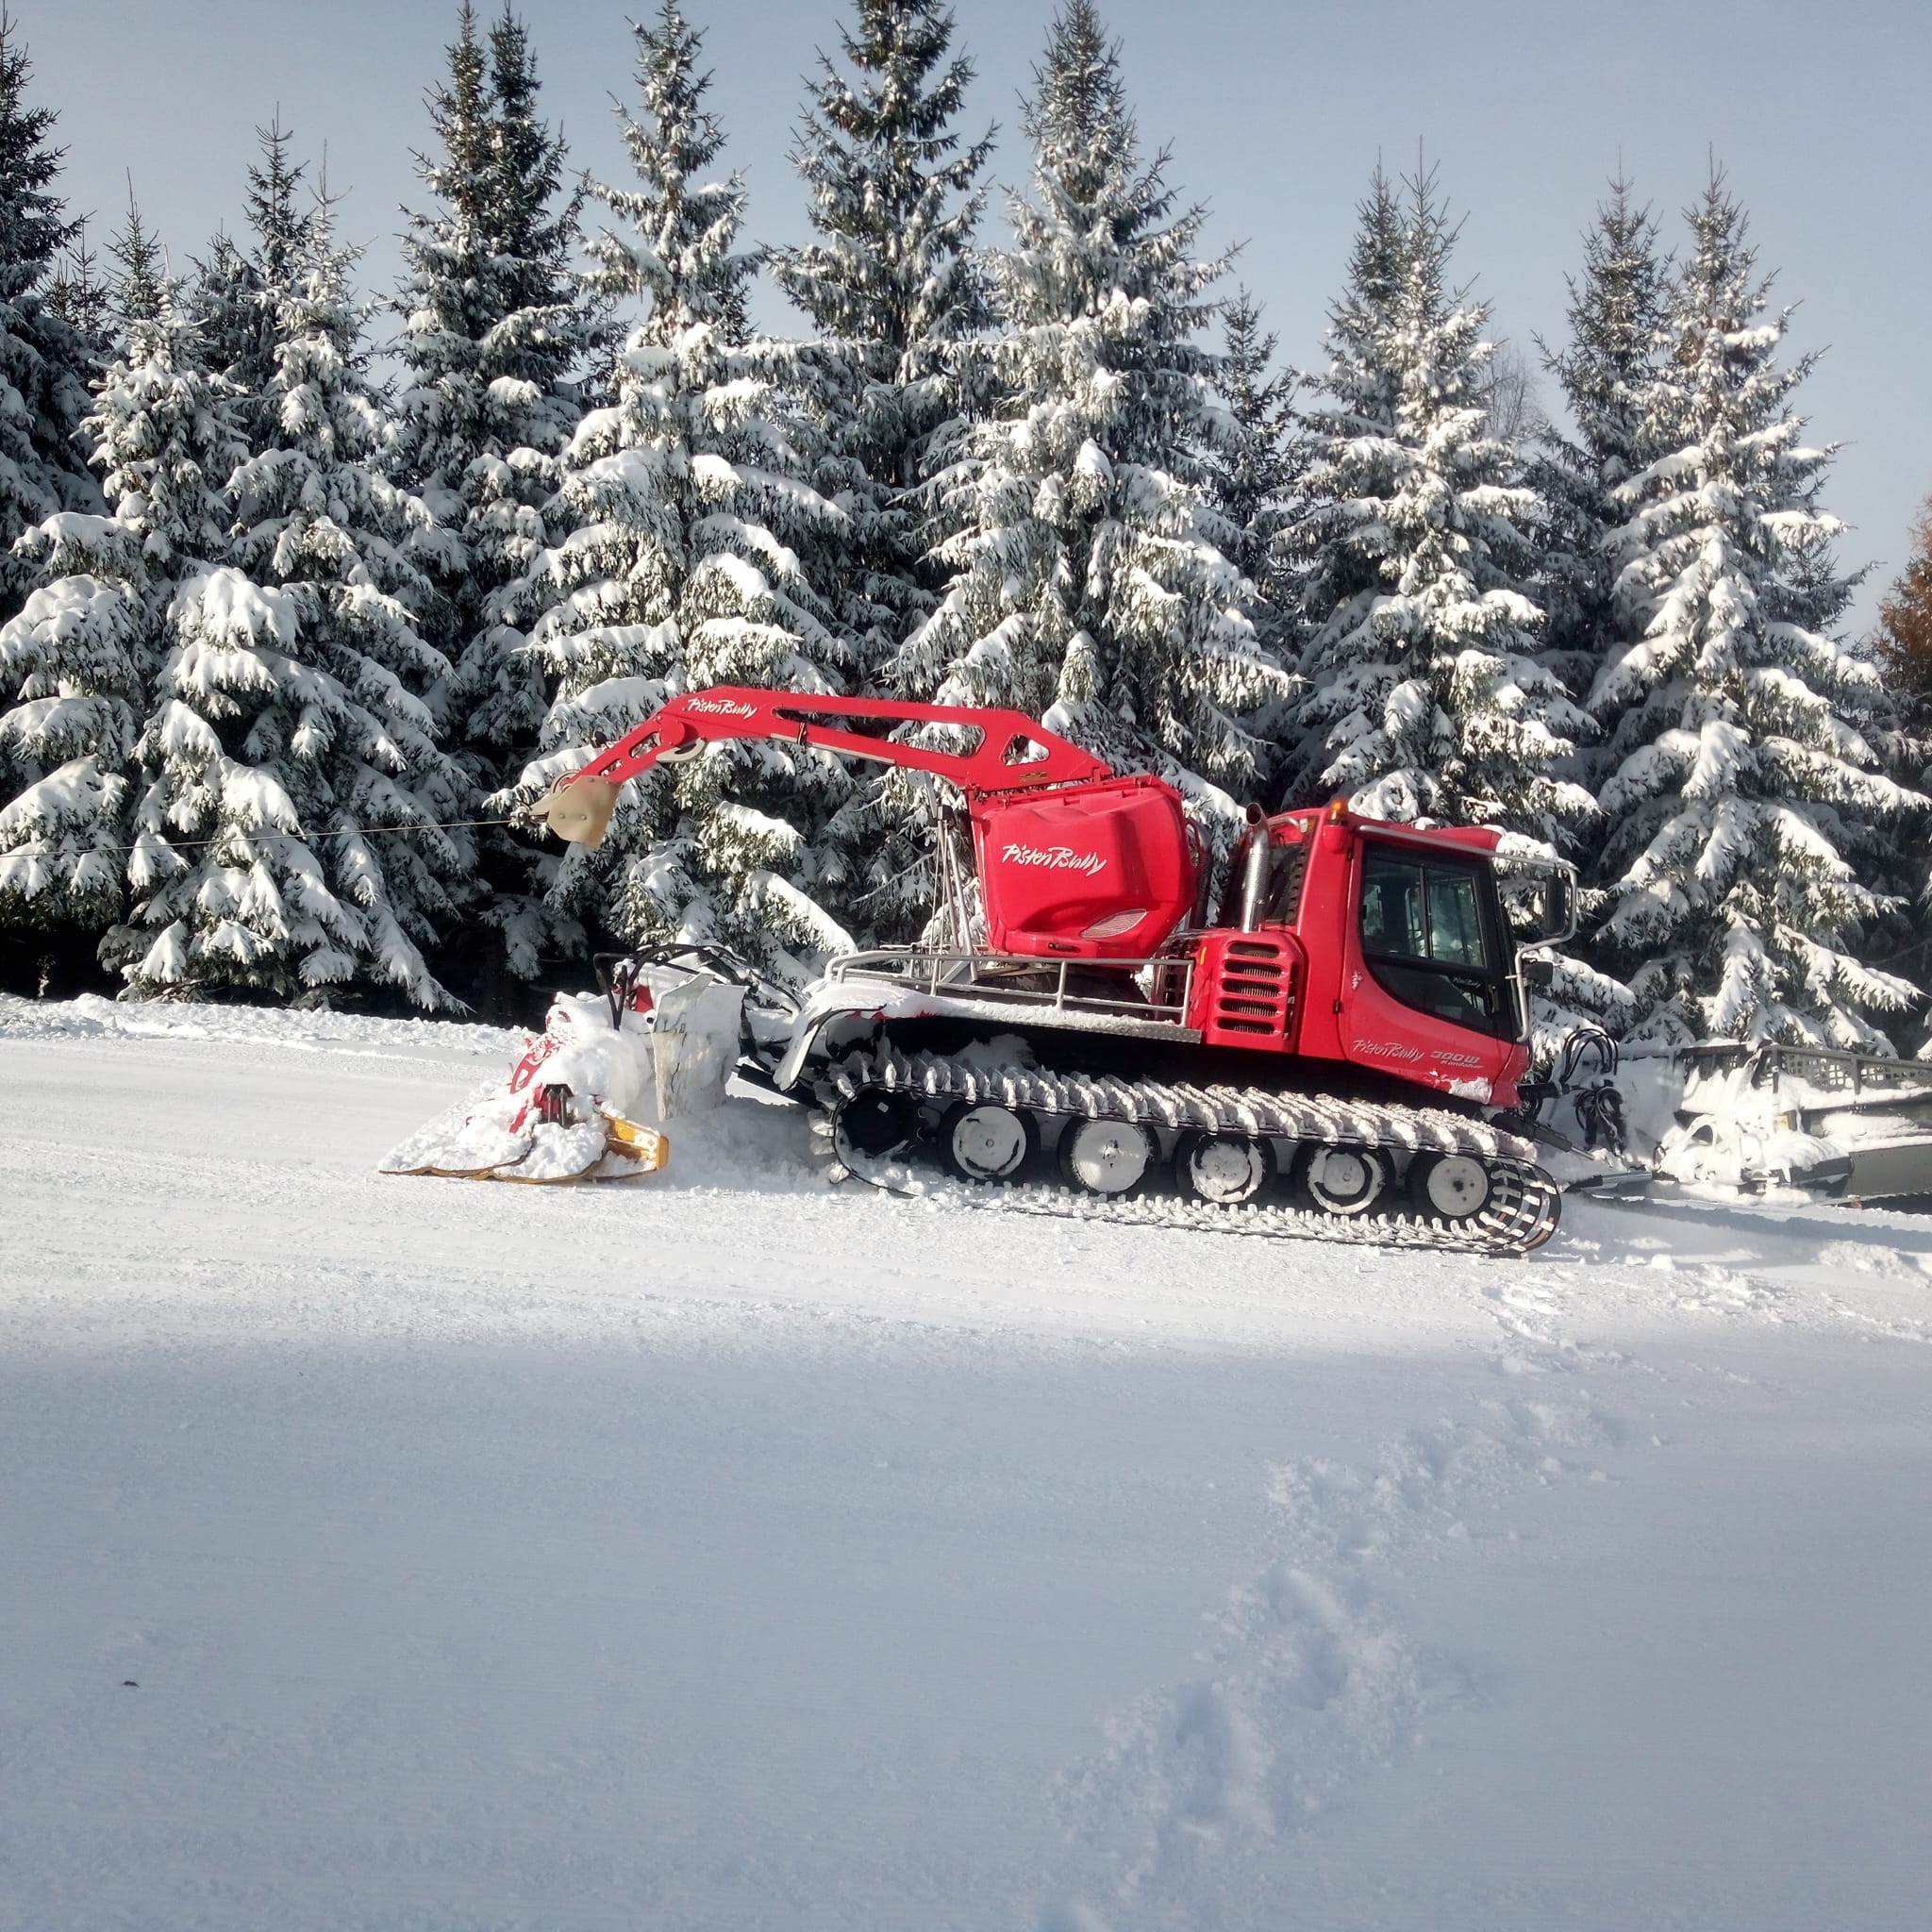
column 1256, row 990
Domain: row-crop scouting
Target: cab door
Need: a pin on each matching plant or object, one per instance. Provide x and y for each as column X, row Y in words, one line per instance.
column 1428, row 995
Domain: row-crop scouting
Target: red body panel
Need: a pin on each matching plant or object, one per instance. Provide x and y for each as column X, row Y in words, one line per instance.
column 1089, row 872
column 1346, row 1014
column 1327, row 911
column 1379, row 1031
column 1308, row 990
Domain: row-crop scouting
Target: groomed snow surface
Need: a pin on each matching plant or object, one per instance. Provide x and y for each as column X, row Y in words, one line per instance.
column 725, row 1550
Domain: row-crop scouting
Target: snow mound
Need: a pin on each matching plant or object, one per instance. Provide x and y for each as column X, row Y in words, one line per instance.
column 90, row 1016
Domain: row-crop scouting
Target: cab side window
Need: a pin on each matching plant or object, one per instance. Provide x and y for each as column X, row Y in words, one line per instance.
column 1392, row 906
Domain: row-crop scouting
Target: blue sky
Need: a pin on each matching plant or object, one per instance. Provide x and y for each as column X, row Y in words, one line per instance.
column 1275, row 115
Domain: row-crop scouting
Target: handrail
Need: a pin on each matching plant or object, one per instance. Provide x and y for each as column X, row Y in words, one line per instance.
column 960, row 970
column 1872, row 1076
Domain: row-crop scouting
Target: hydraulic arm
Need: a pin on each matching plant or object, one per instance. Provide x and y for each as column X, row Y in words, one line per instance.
column 1003, row 751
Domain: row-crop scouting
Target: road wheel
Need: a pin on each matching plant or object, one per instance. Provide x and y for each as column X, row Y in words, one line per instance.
column 1451, row 1186
column 1343, row 1180
column 1107, row 1157
column 987, row 1142
column 1226, row 1169
column 872, row 1126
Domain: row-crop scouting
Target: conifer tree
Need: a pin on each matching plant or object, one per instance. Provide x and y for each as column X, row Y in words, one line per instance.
column 891, row 282
column 79, row 294
column 77, row 663
column 1606, row 371
column 497, row 324
column 237, row 295
column 1427, row 700
column 1255, row 470
column 143, row 291
column 86, row 653
column 290, row 719
column 1746, row 802
column 1090, row 582
column 44, row 359
column 1902, row 649
column 1904, row 619
column 222, row 301
column 689, row 510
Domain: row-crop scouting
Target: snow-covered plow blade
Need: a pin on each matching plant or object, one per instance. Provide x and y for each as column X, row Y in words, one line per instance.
column 588, row 1099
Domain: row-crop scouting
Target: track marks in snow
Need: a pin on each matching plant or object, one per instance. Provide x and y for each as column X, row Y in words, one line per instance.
column 1893, row 1326
column 1894, row 1289
column 1312, row 1674
column 1869, row 1257
column 1304, row 1680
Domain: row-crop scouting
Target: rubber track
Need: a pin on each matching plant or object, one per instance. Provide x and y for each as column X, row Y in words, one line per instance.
column 1521, row 1213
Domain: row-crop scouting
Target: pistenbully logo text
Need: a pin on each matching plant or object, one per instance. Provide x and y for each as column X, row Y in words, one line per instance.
column 1053, row 857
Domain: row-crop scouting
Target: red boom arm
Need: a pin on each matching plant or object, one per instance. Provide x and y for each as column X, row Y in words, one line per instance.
column 1014, row 751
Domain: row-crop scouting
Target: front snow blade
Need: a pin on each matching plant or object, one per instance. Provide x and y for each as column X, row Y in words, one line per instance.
column 557, row 1154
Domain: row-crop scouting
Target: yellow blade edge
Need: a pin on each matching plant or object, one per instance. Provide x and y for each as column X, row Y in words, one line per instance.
column 646, row 1146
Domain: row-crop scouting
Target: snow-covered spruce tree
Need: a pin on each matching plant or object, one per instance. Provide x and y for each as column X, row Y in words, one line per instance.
column 221, row 299
column 45, row 362
column 85, row 651
column 1901, row 647
column 79, row 294
column 1090, row 585
column 1746, row 806
column 236, row 295
column 1606, row 371
column 688, row 512
column 892, row 285
column 289, row 716
column 1254, row 468
column 1427, row 700
column 143, row 291
column 891, row 282
column 496, row 327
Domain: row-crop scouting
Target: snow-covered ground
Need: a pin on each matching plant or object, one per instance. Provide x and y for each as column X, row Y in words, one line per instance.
column 723, row 1550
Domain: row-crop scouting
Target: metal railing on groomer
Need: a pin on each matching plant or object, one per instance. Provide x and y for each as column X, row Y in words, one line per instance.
column 998, row 976
column 1853, row 1079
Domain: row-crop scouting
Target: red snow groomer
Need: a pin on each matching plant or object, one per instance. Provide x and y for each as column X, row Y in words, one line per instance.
column 1323, row 1048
